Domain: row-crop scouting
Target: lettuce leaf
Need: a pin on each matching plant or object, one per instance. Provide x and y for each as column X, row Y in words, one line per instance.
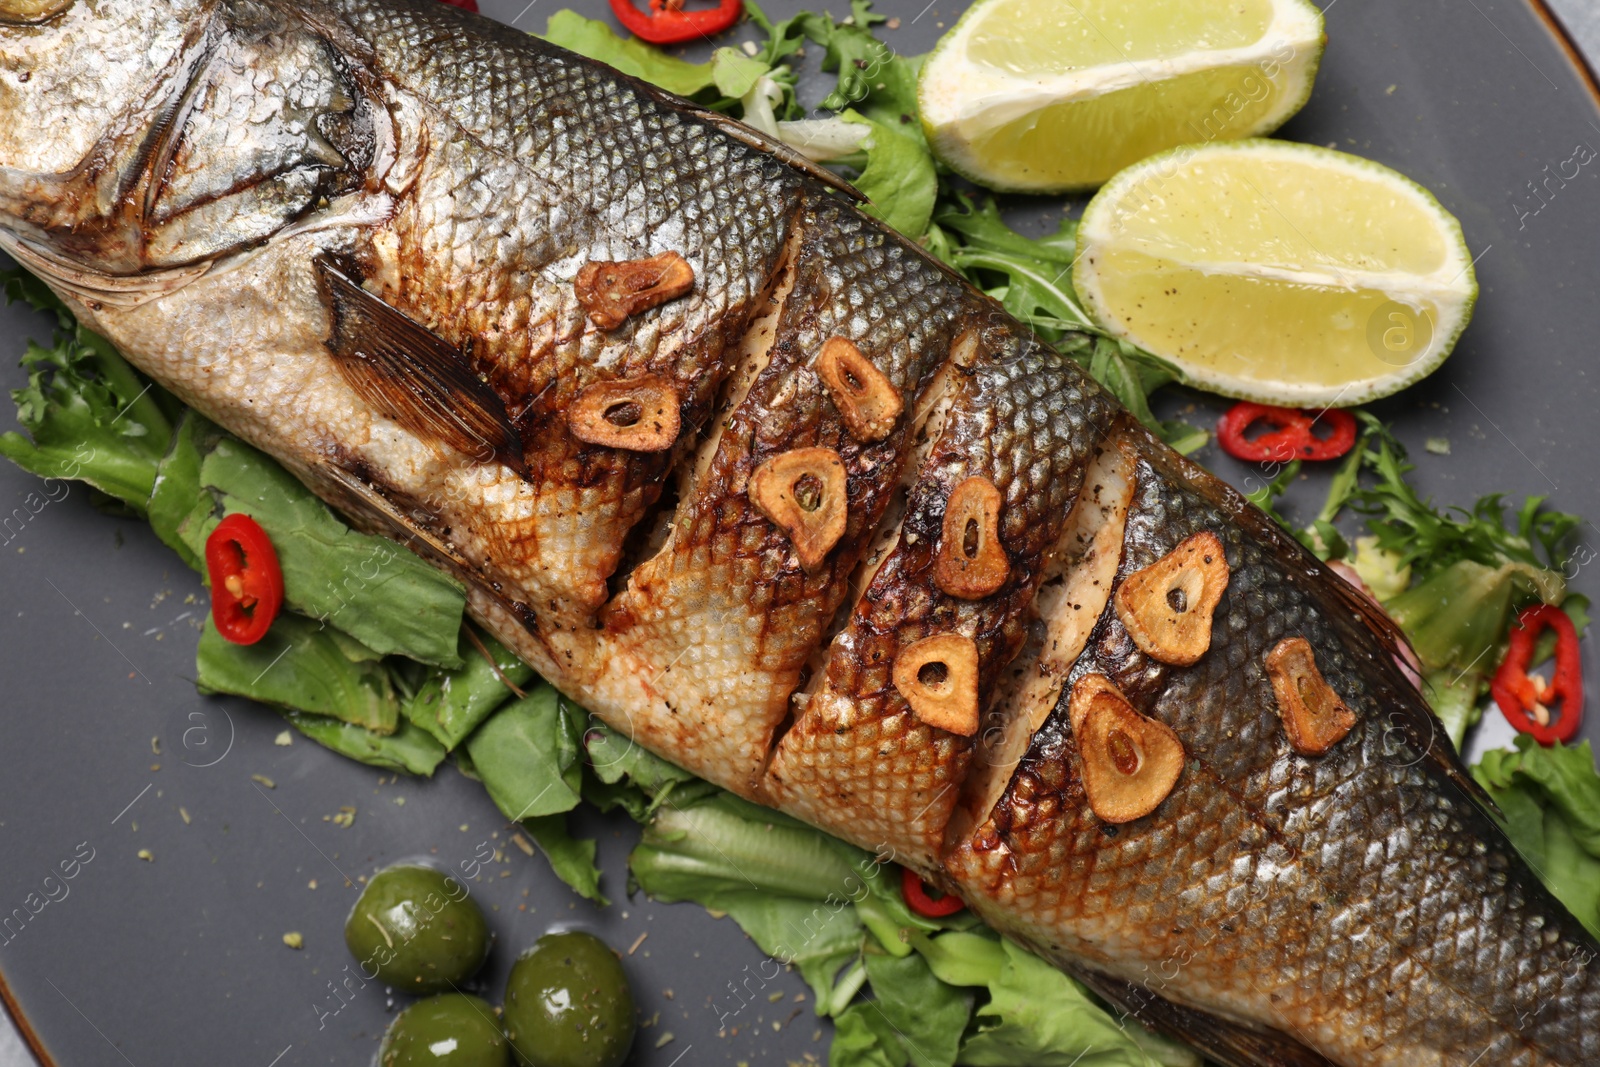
column 572, row 858
column 622, row 773
column 793, row 889
column 305, row 666
column 1038, row 1017
column 449, row 705
column 529, row 754
column 369, row 587
column 408, row 749
column 89, row 415
column 898, row 180
column 593, row 38
column 1551, row 800
column 913, row 1019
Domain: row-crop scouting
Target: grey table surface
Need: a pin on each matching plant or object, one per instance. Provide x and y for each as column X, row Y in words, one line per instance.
column 690, row 951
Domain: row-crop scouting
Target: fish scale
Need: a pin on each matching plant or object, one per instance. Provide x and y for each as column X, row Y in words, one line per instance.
column 1357, row 907
column 858, row 762
column 1336, row 838
column 532, row 542
column 725, row 569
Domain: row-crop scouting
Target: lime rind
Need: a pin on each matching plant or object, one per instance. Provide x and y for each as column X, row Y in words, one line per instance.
column 961, row 102
column 1452, row 287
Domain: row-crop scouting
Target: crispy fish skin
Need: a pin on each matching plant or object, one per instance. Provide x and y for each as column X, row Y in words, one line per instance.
column 858, row 760
column 212, row 174
column 1361, row 902
column 720, row 622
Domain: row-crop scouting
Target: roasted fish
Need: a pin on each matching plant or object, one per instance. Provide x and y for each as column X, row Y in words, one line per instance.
column 767, row 488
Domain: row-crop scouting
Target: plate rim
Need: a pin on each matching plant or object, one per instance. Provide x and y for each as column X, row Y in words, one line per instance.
column 1587, row 74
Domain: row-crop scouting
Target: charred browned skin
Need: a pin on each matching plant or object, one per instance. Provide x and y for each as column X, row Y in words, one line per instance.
column 486, row 246
column 858, row 761
column 1259, row 882
column 720, row 623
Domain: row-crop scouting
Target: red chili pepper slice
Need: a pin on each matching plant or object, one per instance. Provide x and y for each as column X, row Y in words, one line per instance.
column 1524, row 699
column 466, row 5
column 1292, row 433
column 915, row 890
column 246, row 580
column 666, row 22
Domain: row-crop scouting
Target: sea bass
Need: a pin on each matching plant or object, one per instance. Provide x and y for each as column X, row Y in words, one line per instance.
column 770, row 490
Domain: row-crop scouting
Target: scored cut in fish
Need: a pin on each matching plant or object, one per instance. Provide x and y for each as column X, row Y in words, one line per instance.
column 770, row 490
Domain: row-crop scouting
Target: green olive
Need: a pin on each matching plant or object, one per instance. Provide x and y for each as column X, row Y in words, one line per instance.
column 453, row 1030
column 568, row 1004
column 417, row 930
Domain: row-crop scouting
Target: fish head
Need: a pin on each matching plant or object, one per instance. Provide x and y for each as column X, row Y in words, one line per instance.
column 142, row 142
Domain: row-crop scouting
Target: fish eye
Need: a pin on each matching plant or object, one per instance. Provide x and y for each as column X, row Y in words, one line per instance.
column 32, row 11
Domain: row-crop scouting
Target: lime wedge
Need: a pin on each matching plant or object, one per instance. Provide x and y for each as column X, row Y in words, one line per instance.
column 1058, row 95
column 1277, row 272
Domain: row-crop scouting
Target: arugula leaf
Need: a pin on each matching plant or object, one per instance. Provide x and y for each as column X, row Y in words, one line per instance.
column 89, row 415
column 593, row 38
column 1432, row 541
column 1032, row 279
column 369, row 587
column 451, row 704
column 407, row 749
column 572, row 858
column 302, row 665
column 899, row 180
column 1038, row 1017
column 1551, row 801
column 528, row 755
column 1266, row 498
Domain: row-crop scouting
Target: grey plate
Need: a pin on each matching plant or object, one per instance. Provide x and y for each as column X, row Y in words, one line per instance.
column 180, row 960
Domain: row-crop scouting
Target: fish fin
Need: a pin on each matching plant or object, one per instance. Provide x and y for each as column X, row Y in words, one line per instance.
column 388, row 518
column 371, row 510
column 412, row 375
column 92, row 287
column 1222, row 1040
column 779, row 150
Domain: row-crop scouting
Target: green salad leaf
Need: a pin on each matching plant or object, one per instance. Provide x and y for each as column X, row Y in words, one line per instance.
column 529, row 755
column 303, row 665
column 793, row 889
column 570, row 857
column 450, row 704
column 898, row 180
column 622, row 773
column 408, row 749
column 593, row 38
column 1035, row 1015
column 912, row 1019
column 89, row 416
column 1032, row 279
column 1551, row 801
column 179, row 503
column 374, row 662
column 369, row 587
